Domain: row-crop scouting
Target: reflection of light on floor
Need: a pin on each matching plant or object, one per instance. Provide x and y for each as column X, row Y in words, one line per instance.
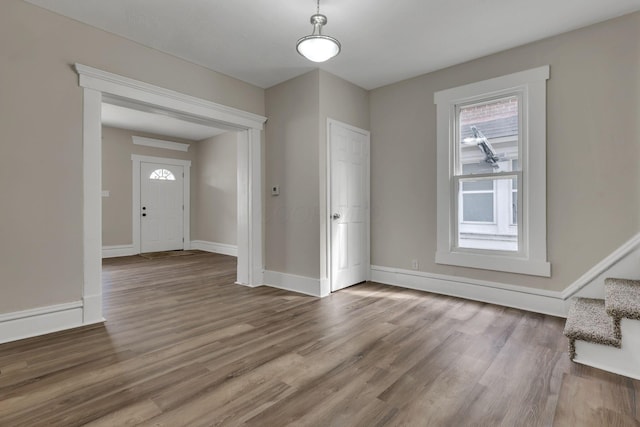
column 387, row 293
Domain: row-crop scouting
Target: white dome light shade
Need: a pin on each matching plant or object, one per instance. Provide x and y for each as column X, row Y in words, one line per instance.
column 318, row 48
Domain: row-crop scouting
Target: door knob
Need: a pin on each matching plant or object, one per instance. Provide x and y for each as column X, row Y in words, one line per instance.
column 335, row 216
column 144, row 214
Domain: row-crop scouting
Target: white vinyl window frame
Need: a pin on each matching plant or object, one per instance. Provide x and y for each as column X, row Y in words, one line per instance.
column 531, row 257
column 513, row 220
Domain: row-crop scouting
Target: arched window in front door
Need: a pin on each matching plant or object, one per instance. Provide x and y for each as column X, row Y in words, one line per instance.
column 162, row 174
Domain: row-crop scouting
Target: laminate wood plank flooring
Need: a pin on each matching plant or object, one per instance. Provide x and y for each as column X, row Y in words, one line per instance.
column 183, row 345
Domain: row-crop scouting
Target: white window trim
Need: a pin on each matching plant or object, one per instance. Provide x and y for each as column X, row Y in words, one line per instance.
column 532, row 256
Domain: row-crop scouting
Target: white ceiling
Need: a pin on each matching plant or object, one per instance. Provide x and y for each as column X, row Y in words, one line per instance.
column 383, row 41
column 154, row 122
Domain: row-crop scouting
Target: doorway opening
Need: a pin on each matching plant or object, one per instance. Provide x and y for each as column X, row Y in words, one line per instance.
column 100, row 86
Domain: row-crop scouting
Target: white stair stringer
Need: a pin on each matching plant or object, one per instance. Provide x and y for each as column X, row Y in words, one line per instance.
column 623, row 361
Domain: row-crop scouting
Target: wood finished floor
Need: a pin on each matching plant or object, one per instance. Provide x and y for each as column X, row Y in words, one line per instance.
column 183, row 345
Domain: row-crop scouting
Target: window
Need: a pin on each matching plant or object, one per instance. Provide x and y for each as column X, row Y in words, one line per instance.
column 162, row 174
column 492, row 174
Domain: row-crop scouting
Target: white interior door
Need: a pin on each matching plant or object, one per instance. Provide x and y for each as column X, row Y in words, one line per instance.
column 161, row 207
column 349, row 205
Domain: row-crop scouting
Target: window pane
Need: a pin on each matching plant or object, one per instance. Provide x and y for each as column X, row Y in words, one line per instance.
column 488, row 135
column 488, row 219
column 477, row 185
column 477, row 207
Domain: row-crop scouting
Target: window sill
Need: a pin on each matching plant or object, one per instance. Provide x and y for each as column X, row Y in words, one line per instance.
column 532, row 267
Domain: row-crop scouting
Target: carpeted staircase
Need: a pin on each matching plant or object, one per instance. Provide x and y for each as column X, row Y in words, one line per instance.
column 606, row 333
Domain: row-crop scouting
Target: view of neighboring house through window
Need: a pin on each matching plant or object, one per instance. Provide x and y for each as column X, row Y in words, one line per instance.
column 487, row 174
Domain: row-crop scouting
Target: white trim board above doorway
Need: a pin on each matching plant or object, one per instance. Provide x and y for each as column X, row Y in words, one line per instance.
column 159, row 143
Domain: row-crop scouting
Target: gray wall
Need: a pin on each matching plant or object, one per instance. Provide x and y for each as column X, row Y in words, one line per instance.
column 592, row 153
column 214, row 194
column 296, row 160
column 292, row 238
column 41, row 130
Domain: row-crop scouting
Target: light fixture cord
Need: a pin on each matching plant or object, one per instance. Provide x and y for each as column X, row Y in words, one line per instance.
column 318, row 8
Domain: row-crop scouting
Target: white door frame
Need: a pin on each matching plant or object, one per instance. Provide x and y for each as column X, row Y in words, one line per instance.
column 96, row 84
column 328, row 246
column 186, row 191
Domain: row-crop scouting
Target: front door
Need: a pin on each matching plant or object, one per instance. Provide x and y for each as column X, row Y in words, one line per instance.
column 161, row 207
column 349, row 205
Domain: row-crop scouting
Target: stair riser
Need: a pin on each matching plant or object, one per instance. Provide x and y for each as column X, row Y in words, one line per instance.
column 624, row 361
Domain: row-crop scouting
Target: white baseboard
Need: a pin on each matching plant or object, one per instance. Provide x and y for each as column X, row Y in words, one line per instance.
column 536, row 300
column 39, row 321
column 291, row 282
column 217, row 248
column 117, row 250
column 325, row 289
column 92, row 309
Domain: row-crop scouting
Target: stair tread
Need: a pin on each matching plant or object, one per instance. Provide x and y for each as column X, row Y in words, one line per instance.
column 588, row 321
column 622, row 298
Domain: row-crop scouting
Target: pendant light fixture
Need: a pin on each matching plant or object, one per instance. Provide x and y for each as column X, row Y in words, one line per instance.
column 318, row 47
